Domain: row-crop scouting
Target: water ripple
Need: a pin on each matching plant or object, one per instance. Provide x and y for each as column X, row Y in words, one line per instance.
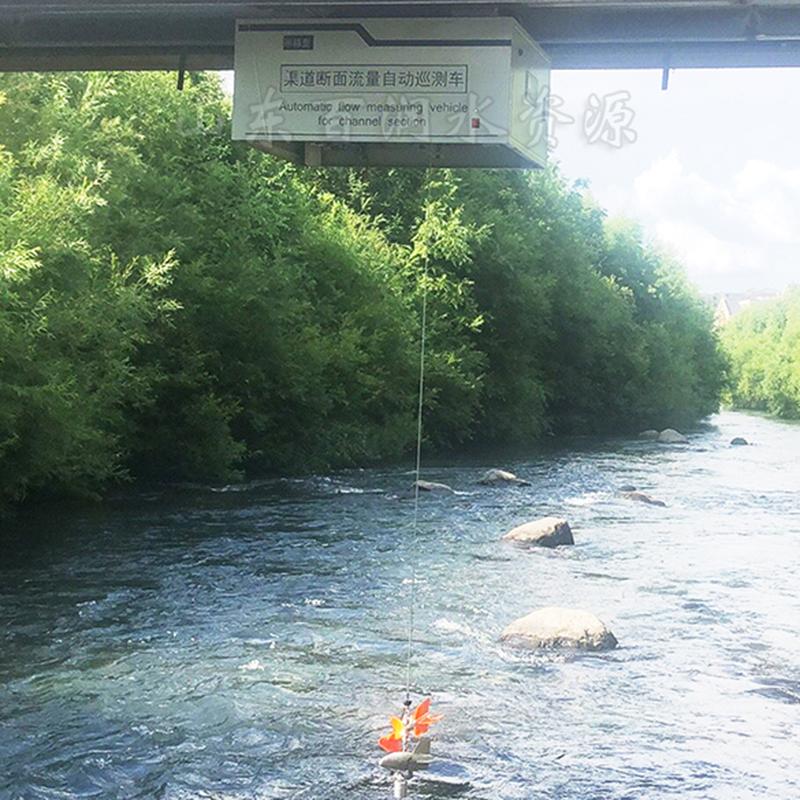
column 249, row 641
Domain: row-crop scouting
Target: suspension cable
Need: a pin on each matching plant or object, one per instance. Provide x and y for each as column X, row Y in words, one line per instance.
column 415, row 528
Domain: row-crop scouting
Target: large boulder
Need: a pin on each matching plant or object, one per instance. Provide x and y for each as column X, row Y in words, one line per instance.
column 499, row 477
column 559, row 627
column 641, row 497
column 649, row 434
column 671, row 436
column 544, row 532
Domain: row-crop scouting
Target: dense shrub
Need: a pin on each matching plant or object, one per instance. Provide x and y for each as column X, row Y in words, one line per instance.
column 178, row 306
column 763, row 345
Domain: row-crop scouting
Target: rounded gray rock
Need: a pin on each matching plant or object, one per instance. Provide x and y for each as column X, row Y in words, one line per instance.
column 559, row 627
column 544, row 532
column 641, row 497
column 499, row 477
column 738, row 441
column 431, row 486
column 649, row 434
column 671, row 436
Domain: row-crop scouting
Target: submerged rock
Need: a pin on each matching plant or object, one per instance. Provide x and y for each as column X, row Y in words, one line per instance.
column 641, row 497
column 671, row 436
column 544, row 532
column 559, row 627
column 499, row 477
column 627, row 488
column 738, row 441
column 649, row 434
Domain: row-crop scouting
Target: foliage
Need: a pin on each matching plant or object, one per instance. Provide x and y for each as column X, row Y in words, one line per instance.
column 72, row 317
column 177, row 306
column 584, row 327
column 763, row 345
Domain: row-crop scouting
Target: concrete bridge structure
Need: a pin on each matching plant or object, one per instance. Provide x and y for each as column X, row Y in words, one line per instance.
column 576, row 34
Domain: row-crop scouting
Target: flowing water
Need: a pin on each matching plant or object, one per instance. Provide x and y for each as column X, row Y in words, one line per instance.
column 250, row 641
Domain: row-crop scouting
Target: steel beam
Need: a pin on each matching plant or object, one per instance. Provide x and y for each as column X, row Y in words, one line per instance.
column 577, row 34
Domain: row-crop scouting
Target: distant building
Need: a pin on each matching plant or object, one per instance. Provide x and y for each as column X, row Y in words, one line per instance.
column 729, row 304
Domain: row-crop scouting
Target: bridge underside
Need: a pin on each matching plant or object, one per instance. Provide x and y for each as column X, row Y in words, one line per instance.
column 576, row 34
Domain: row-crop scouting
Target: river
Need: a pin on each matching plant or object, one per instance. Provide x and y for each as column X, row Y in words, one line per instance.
column 249, row 642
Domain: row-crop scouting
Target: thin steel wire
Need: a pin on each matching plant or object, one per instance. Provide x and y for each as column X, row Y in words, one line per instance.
column 415, row 526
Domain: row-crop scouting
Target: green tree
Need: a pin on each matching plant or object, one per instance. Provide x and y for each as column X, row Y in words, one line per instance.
column 763, row 345
column 72, row 315
column 178, row 306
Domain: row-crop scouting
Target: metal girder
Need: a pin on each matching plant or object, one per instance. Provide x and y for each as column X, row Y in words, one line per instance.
column 576, row 34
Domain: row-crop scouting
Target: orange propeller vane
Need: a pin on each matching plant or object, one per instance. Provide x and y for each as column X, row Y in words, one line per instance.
column 419, row 722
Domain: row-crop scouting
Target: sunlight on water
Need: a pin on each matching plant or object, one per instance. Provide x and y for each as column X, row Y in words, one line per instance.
column 251, row 642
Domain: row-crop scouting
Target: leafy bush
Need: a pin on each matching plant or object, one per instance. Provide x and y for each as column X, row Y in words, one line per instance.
column 174, row 305
column 763, row 345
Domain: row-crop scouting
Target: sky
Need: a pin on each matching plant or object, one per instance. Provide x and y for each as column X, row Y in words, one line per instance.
column 710, row 167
